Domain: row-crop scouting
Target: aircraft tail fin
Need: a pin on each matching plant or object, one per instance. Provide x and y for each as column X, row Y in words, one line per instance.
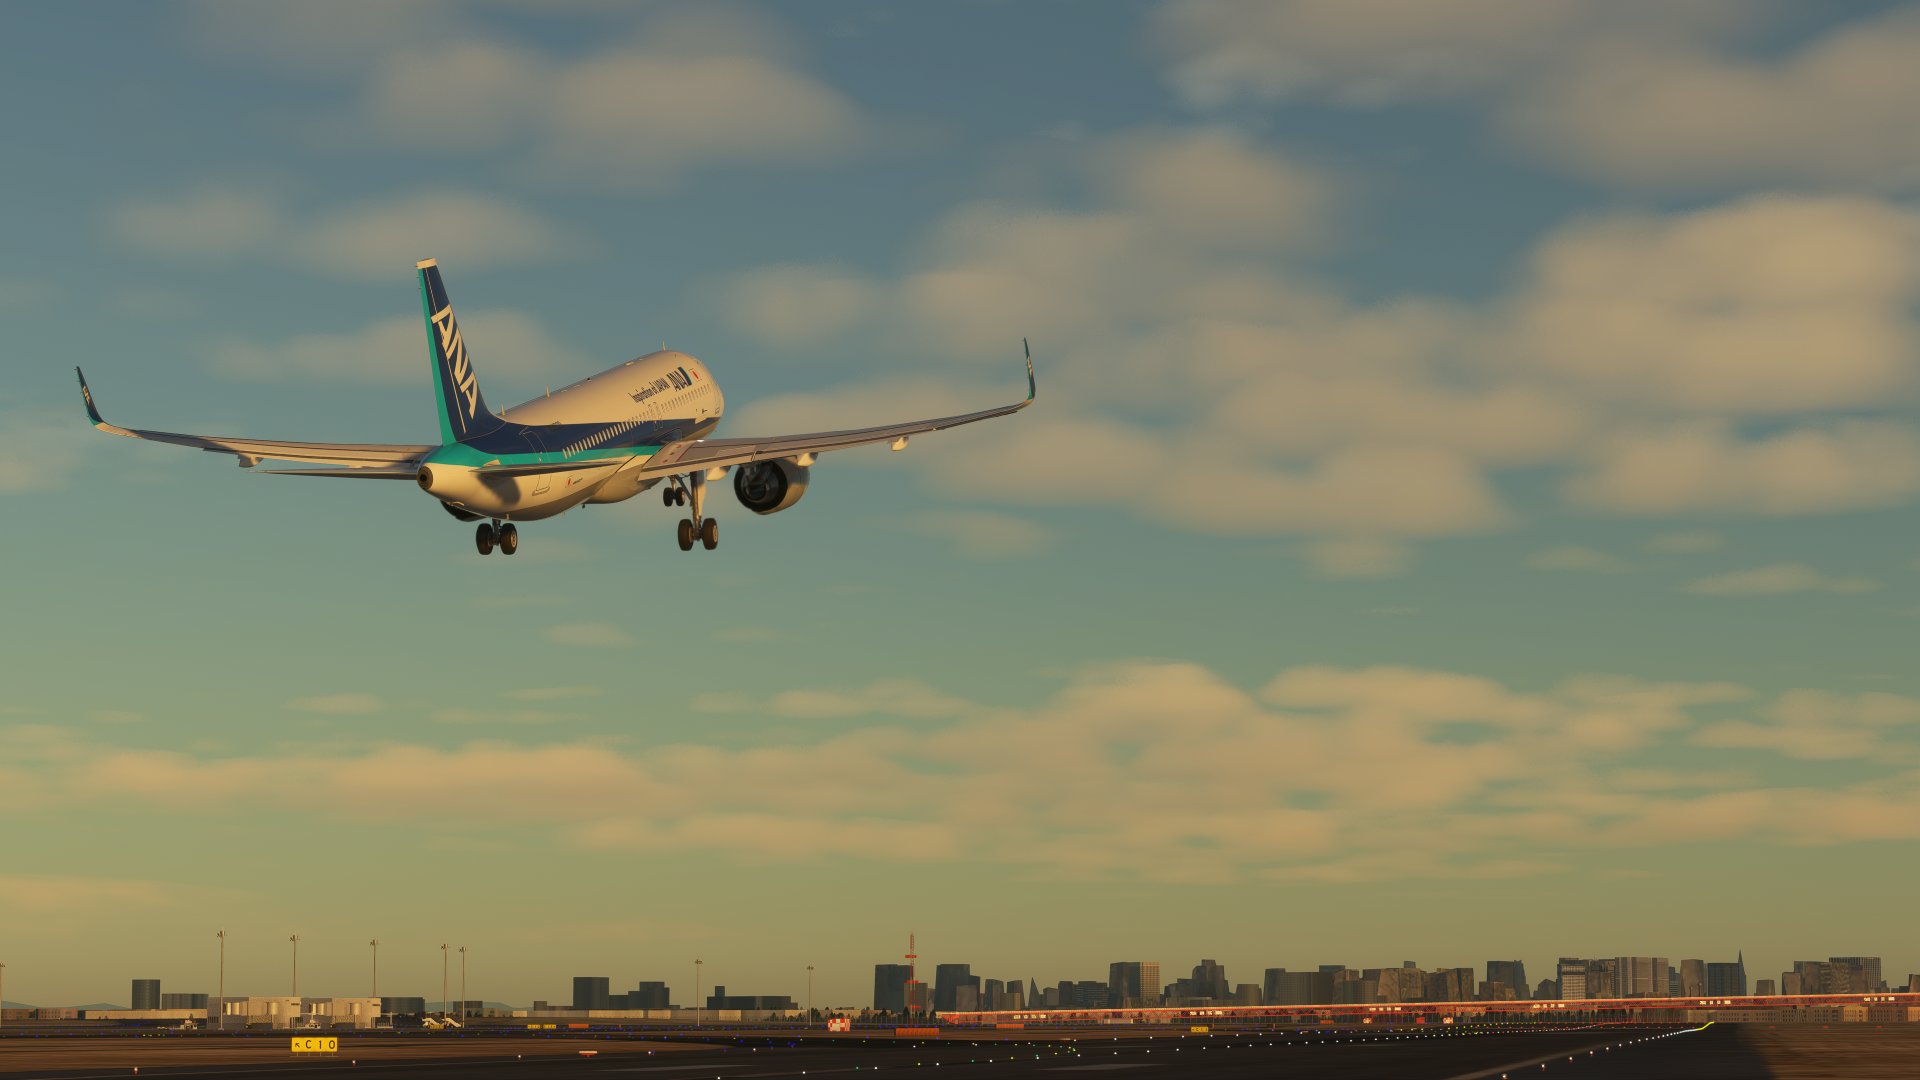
column 463, row 411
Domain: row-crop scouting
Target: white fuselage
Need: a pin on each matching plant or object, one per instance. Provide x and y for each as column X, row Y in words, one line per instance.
column 614, row 420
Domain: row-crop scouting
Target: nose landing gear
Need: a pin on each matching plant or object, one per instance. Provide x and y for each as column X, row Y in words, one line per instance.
column 490, row 534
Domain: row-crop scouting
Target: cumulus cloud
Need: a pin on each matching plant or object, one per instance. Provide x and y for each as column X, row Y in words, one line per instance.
column 39, row 450
column 689, row 89
column 1768, row 304
column 1643, row 94
column 1778, row 579
column 1333, row 773
column 797, row 304
column 374, row 239
column 1706, row 466
column 389, row 352
column 1686, row 542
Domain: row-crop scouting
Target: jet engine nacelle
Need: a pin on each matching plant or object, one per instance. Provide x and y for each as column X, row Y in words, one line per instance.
column 768, row 487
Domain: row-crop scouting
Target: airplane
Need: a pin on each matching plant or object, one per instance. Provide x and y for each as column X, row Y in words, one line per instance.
column 603, row 439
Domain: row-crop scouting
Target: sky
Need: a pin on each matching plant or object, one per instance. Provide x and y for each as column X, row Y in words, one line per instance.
column 1468, row 513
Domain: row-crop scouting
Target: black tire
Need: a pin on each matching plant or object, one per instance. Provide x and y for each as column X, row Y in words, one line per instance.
column 679, row 496
column 666, row 496
column 509, row 539
column 710, row 534
column 686, row 535
column 483, row 538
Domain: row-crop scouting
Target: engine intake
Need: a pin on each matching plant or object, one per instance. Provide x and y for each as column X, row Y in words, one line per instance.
column 768, row 487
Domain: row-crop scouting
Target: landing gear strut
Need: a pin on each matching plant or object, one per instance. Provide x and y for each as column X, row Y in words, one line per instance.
column 492, row 533
column 697, row 527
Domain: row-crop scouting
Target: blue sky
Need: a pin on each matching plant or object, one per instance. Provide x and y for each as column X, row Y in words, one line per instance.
column 1474, row 472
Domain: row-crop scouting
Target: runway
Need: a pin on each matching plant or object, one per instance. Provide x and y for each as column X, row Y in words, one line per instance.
column 1716, row 1052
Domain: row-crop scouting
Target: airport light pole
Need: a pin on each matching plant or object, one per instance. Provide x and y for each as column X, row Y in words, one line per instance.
column 222, row 935
column 696, row 991
column 463, row 986
column 809, row 995
column 375, row 944
column 443, row 978
column 295, row 939
column 3, row 994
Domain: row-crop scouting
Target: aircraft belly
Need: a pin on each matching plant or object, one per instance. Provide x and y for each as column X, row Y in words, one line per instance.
column 526, row 496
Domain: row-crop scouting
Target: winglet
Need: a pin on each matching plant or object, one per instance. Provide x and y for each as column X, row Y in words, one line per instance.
column 86, row 395
column 1031, row 387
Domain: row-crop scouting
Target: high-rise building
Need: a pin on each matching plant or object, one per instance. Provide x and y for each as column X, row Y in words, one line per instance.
column 1572, row 978
column 1728, row 980
column 1693, row 978
column 650, row 995
column 1790, row 983
column 146, row 994
column 966, row 996
column 1640, row 976
column 1763, row 988
column 1133, row 982
column 1210, row 981
column 890, row 987
column 1548, row 990
column 1509, row 973
column 1016, row 995
column 1603, row 978
column 1283, row 987
column 993, row 995
column 1857, row 974
column 947, row 980
column 590, row 992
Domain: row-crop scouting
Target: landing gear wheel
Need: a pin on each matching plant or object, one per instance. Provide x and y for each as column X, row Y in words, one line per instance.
column 686, row 535
column 509, row 539
column 679, row 496
column 710, row 534
column 483, row 538
column 666, row 496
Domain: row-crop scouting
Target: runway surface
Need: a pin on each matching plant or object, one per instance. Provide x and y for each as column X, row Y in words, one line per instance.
column 1716, row 1052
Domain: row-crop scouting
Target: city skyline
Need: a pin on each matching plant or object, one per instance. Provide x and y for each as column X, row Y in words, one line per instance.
column 1469, row 509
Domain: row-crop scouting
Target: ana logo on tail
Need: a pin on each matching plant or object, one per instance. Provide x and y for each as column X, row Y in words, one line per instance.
column 455, row 350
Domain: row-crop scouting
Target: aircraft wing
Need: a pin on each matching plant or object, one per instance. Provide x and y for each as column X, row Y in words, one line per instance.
column 691, row 454
column 383, row 460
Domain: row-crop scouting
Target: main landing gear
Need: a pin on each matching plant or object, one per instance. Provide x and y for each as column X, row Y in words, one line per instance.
column 673, row 494
column 698, row 527
column 490, row 534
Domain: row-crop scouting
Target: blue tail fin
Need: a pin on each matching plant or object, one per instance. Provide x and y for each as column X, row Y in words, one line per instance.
column 463, row 412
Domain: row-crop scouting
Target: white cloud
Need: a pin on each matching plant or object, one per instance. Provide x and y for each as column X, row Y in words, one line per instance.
column 1578, row 558
column 555, row 693
column 390, row 352
column 1767, row 304
column 1778, row 579
column 1642, row 94
column 1407, row 772
column 375, row 239
column 1706, row 467
column 588, row 634
column 346, row 704
column 691, row 89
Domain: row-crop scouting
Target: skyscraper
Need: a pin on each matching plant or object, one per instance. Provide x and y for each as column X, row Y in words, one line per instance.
column 1511, row 974
column 1133, row 982
column 146, row 994
column 1572, row 977
column 591, row 992
column 1729, row 980
column 947, row 980
column 890, row 987
column 1693, row 978
column 1854, row 974
column 1210, row 981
